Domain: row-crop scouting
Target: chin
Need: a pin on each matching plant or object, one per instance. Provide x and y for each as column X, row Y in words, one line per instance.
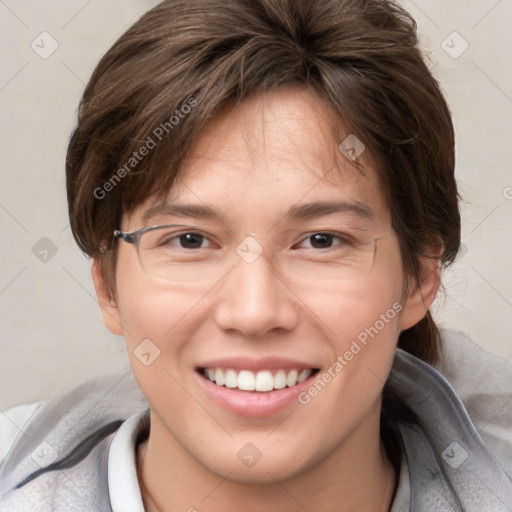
column 259, row 466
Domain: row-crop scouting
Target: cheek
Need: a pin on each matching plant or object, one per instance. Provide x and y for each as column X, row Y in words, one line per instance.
column 156, row 317
column 147, row 307
column 363, row 332
column 362, row 322
column 158, row 326
column 351, row 309
column 364, row 327
column 156, row 312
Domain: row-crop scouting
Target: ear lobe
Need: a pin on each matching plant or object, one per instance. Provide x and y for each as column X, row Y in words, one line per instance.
column 109, row 310
column 422, row 296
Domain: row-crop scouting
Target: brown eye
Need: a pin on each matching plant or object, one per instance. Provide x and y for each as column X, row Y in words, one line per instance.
column 325, row 240
column 321, row 240
column 191, row 240
column 184, row 240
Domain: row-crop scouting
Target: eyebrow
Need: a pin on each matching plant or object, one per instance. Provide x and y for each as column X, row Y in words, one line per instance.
column 303, row 211
column 182, row 210
column 311, row 211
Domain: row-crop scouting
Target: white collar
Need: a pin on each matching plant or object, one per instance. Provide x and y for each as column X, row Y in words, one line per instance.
column 123, row 484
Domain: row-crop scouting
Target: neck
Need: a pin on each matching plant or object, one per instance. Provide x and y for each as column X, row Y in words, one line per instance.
column 353, row 478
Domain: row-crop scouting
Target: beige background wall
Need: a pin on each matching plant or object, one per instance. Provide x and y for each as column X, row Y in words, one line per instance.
column 52, row 335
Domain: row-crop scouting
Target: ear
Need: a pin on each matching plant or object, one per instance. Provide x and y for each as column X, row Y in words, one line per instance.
column 109, row 310
column 422, row 292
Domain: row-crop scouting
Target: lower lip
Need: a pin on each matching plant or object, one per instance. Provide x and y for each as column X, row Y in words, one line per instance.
column 253, row 404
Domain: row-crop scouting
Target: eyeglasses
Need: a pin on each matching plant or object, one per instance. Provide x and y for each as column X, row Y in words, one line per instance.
column 180, row 253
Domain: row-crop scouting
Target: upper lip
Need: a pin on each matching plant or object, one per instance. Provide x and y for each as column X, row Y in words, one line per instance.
column 254, row 364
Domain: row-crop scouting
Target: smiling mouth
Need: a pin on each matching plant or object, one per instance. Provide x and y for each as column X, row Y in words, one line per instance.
column 262, row 381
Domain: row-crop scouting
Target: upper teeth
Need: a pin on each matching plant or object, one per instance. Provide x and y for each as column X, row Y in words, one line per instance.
column 265, row 380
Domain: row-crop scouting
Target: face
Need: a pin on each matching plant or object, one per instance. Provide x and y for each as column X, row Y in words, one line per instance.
column 293, row 285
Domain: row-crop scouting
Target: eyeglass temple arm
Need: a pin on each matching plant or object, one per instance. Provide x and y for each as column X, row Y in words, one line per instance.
column 127, row 237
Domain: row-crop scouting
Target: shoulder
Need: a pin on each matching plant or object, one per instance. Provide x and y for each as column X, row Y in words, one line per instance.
column 483, row 382
column 58, row 442
column 451, row 461
column 12, row 422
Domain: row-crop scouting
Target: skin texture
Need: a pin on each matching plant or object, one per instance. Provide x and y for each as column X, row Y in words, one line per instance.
column 254, row 163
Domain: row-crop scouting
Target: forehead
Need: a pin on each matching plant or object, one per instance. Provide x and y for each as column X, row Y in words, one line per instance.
column 270, row 153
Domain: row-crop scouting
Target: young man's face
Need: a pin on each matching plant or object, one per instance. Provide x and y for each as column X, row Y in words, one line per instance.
column 260, row 293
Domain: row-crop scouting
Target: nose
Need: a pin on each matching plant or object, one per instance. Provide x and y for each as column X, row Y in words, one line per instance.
column 253, row 300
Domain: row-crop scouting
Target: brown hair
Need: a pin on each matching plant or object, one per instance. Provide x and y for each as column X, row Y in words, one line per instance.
column 186, row 59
